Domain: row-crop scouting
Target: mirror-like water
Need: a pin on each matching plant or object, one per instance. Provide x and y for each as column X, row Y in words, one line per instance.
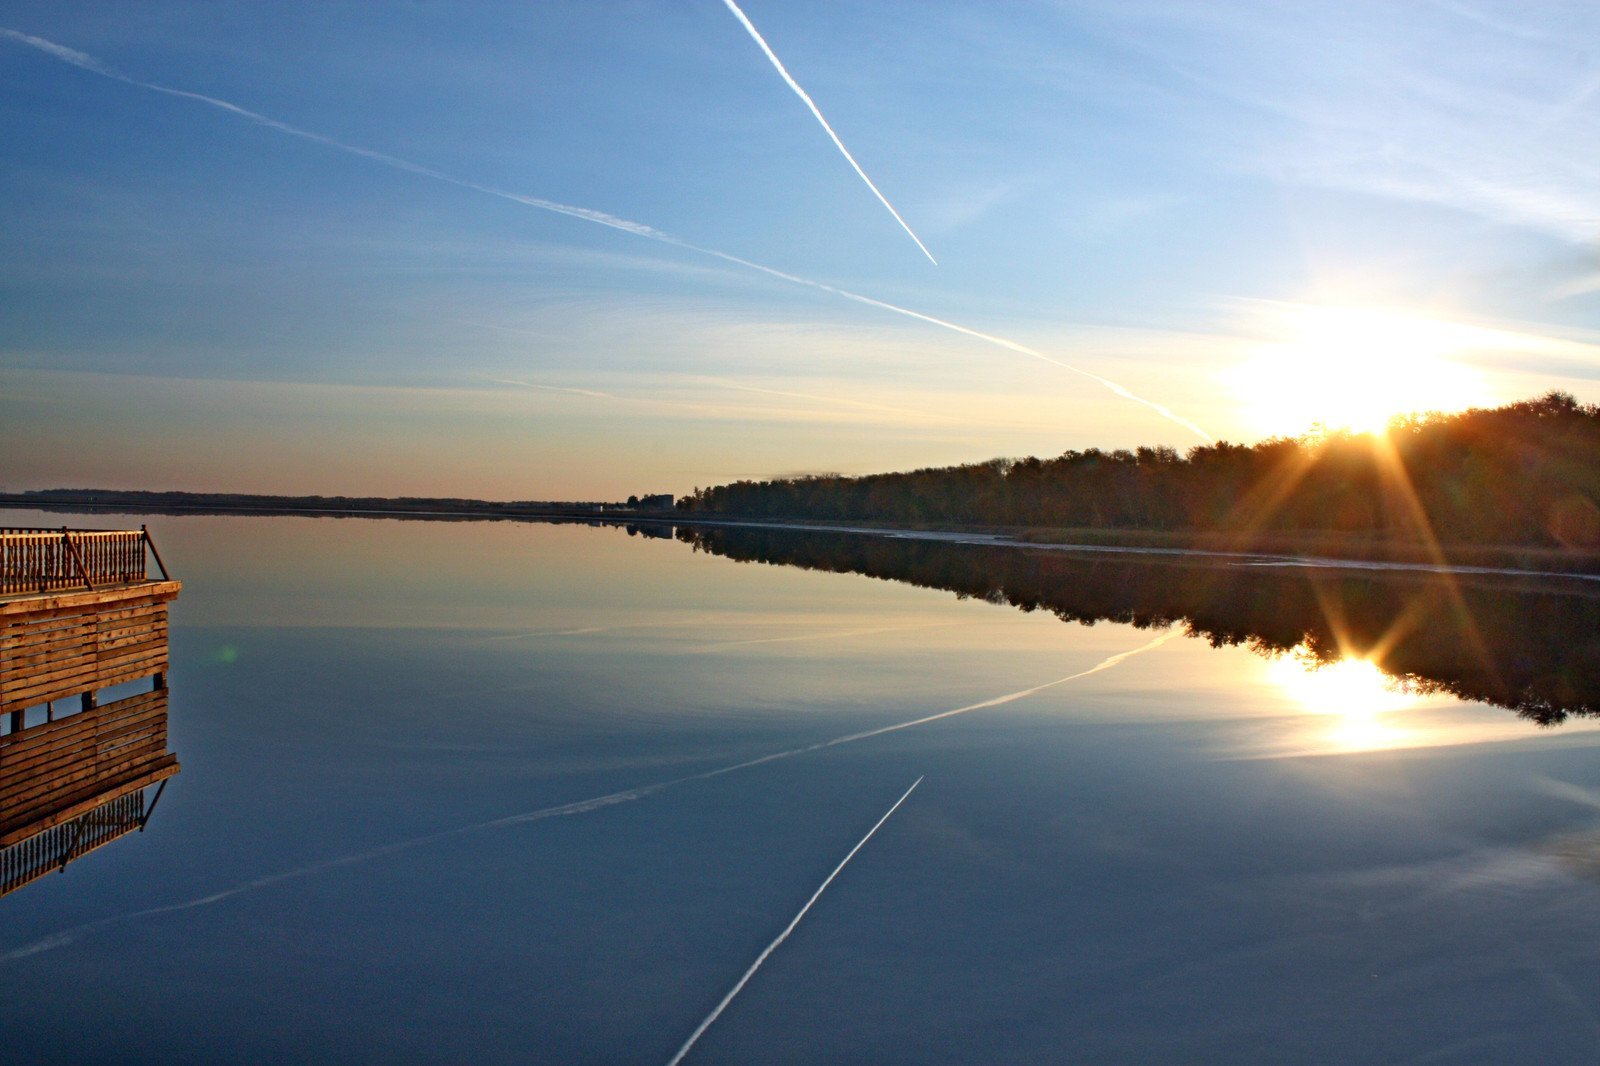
column 514, row 792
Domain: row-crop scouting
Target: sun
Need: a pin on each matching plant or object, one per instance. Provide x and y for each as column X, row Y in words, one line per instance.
column 1354, row 369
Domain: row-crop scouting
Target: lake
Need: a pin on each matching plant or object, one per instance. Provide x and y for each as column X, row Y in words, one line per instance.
column 499, row 791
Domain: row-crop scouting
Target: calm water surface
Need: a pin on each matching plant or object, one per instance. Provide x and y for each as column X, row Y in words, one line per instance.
column 379, row 849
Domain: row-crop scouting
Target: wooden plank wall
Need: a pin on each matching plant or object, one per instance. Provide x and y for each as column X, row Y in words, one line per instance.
column 68, row 645
column 54, row 772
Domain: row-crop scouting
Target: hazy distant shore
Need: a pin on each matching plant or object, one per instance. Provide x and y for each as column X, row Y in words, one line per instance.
column 1305, row 549
column 125, row 501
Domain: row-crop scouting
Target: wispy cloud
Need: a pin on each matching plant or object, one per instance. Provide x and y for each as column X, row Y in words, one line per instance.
column 842, row 401
column 805, row 97
column 637, row 229
column 1441, row 104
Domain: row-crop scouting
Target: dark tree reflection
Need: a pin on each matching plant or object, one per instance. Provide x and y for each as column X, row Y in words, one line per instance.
column 1529, row 645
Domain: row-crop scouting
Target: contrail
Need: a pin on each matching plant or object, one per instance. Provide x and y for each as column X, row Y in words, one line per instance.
column 555, row 388
column 834, row 634
column 990, row 338
column 754, row 966
column 817, row 113
column 87, row 62
column 68, row 936
column 601, row 218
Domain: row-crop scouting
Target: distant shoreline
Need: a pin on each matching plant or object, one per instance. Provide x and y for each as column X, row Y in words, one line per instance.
column 123, row 501
column 1277, row 550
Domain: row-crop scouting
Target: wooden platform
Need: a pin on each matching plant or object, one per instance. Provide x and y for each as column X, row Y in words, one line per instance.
column 60, row 645
column 78, row 615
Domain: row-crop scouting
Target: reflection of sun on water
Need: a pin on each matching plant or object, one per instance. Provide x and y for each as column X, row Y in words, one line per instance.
column 1353, row 691
column 1354, row 369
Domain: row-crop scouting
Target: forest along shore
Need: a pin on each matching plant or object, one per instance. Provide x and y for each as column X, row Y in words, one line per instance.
column 1514, row 487
column 1349, row 553
column 1510, row 489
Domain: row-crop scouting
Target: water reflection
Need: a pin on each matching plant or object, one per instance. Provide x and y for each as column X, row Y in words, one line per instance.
column 1362, row 645
column 72, row 785
column 83, row 760
column 1355, row 693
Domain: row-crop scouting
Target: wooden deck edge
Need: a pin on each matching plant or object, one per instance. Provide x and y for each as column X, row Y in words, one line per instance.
column 33, row 603
column 169, row 767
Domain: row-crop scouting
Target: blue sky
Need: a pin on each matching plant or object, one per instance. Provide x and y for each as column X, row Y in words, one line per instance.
column 1249, row 215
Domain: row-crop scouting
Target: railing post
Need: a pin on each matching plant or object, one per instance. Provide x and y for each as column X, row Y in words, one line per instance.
column 145, row 531
column 66, row 538
column 148, row 811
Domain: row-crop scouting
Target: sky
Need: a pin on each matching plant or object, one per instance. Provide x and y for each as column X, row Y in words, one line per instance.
column 582, row 250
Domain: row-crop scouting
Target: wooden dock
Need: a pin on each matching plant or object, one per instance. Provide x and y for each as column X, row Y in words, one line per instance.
column 79, row 613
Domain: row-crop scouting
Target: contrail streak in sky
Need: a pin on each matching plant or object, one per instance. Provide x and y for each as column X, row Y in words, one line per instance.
column 584, row 806
column 94, row 66
column 815, row 111
column 754, row 966
column 601, row 218
column 1002, row 342
column 555, row 388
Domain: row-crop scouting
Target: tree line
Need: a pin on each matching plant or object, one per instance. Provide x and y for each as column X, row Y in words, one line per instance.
column 1526, row 474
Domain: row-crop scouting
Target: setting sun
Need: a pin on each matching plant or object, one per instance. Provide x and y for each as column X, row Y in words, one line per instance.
column 1354, row 369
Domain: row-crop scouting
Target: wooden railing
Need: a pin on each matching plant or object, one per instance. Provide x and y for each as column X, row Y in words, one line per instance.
column 48, row 560
column 50, row 850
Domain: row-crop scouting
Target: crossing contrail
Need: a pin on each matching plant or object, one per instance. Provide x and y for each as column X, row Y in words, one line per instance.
column 805, row 97
column 770, row 948
column 638, row 229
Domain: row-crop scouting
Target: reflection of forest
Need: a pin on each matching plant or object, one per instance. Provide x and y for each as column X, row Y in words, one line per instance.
column 1524, row 645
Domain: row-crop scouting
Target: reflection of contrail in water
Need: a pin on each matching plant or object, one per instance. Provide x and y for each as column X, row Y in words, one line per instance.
column 834, row 634
column 638, row 229
column 816, row 112
column 770, row 948
column 580, row 631
column 584, row 806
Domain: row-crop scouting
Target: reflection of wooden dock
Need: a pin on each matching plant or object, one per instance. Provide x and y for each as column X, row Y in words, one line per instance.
column 78, row 614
